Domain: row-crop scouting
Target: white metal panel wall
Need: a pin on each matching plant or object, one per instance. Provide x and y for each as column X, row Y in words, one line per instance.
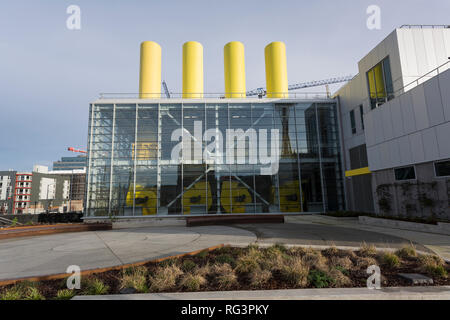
column 426, row 132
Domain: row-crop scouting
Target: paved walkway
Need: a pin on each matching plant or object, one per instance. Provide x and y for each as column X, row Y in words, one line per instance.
column 45, row 255
column 399, row 293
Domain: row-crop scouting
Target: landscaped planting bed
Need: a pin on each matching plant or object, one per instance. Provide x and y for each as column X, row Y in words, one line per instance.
column 251, row 268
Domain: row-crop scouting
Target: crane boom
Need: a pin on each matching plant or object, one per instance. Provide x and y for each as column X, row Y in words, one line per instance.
column 75, row 150
column 302, row 85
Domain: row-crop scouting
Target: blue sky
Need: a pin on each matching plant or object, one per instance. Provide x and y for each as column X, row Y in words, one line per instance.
column 49, row 74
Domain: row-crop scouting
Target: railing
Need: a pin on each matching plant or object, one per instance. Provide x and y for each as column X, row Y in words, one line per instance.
column 415, row 83
column 421, row 79
column 423, row 26
column 290, row 95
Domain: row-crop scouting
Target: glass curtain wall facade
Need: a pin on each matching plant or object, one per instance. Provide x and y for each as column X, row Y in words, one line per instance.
column 177, row 158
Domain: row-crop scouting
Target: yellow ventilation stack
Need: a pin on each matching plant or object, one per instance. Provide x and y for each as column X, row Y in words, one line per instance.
column 150, row 71
column 192, row 70
column 276, row 70
column 234, row 65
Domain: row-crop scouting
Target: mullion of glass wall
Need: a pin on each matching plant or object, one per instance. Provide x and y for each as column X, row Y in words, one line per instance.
column 320, row 159
column 298, row 159
column 112, row 159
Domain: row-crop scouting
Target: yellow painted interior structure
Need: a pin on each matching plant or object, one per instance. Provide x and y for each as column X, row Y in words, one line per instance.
column 198, row 194
column 357, row 172
column 144, row 197
column 234, row 200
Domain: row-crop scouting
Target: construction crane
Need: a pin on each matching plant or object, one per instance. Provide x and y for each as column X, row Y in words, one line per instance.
column 166, row 90
column 75, row 150
column 262, row 91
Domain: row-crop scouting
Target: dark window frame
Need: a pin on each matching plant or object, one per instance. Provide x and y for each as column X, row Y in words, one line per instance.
column 405, row 179
column 352, row 121
column 435, row 169
column 361, row 112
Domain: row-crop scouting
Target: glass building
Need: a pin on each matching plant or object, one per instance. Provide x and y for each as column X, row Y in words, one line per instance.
column 216, row 156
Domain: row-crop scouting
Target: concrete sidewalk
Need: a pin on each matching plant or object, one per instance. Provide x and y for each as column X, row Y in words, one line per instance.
column 52, row 254
column 393, row 293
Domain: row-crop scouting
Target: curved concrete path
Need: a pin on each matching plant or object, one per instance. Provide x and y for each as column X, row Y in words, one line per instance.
column 45, row 255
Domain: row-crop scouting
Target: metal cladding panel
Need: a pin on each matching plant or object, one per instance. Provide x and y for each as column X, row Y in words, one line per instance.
column 192, row 70
column 409, row 122
column 443, row 134
column 417, row 149
column 433, row 101
column 444, row 78
column 150, row 71
column 276, row 70
column 430, row 145
column 234, row 68
column 396, row 113
column 420, row 108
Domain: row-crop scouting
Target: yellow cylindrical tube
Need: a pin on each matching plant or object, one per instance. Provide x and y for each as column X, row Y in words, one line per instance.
column 234, row 67
column 192, row 70
column 150, row 71
column 276, row 70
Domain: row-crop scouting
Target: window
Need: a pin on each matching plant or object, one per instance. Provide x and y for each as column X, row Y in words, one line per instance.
column 361, row 113
column 379, row 82
column 405, row 173
column 352, row 121
column 442, row 169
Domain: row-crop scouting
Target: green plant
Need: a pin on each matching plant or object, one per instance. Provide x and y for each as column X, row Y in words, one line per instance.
column 29, row 223
column 192, row 282
column 259, row 277
column 390, row 259
column 13, row 293
column 367, row 250
column 188, row 265
column 65, row 294
column 225, row 277
column 202, row 254
column 135, row 277
column 94, row 286
column 342, row 269
column 437, row 271
column 320, row 279
column 315, row 260
column 33, row 293
column 433, row 265
column 165, row 278
column 295, row 272
column 225, row 258
column 14, row 222
column 406, row 252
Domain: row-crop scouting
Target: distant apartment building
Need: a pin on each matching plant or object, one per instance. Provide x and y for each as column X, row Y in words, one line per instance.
column 70, row 163
column 7, row 188
column 42, row 191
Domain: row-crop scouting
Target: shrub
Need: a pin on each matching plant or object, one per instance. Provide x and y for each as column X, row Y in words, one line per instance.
column 342, row 270
column 390, row 259
column 165, row 278
column 192, row 282
column 246, row 264
column 331, row 251
column 13, row 293
column 33, row 293
column 364, row 262
column 188, row 265
column 14, row 222
column 367, row 250
column 202, row 254
column 169, row 262
column 406, row 252
column 295, row 272
column 134, row 278
column 320, row 279
column 433, row 265
column 225, row 277
column 94, row 286
column 345, row 262
column 203, row 271
column 225, row 258
column 315, row 261
column 65, row 294
column 259, row 277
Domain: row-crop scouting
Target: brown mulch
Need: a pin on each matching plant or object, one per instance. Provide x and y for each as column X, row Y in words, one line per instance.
column 357, row 275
